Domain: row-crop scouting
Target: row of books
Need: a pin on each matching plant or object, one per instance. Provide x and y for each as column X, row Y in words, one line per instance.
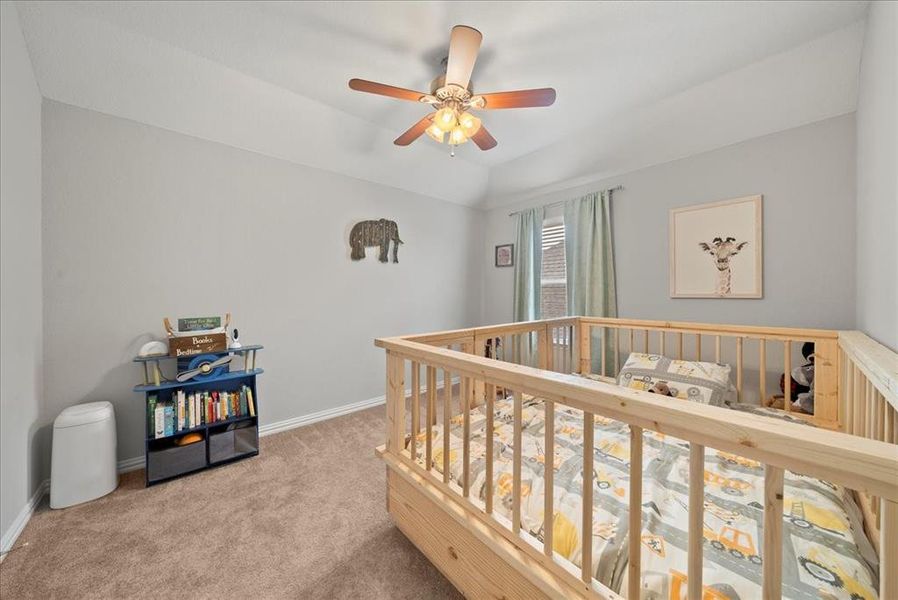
column 187, row 410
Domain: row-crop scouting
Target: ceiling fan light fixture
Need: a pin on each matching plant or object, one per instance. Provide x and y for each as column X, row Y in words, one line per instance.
column 435, row 133
column 469, row 124
column 445, row 118
column 457, row 136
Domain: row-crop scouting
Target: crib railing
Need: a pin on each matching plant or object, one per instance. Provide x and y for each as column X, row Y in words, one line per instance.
column 869, row 409
column 867, row 465
column 748, row 349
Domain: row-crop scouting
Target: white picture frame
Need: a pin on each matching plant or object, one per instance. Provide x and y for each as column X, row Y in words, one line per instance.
column 716, row 249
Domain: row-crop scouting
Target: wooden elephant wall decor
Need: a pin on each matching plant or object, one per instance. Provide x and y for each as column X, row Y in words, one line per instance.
column 380, row 232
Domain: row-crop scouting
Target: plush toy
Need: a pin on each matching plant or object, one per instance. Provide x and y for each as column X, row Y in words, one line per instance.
column 493, row 345
column 661, row 388
column 801, row 383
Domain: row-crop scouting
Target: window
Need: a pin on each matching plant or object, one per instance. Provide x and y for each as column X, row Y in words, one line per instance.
column 553, row 282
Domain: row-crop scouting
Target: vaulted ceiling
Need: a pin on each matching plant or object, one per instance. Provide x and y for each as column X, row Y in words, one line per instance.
column 638, row 83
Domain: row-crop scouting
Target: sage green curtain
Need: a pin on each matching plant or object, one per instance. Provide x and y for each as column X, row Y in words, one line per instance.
column 589, row 256
column 528, row 263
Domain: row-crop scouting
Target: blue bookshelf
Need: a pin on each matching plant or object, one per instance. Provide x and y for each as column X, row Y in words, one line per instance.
column 229, row 439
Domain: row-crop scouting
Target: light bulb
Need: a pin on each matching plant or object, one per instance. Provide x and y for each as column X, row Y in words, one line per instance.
column 457, row 136
column 469, row 123
column 445, row 119
column 435, row 133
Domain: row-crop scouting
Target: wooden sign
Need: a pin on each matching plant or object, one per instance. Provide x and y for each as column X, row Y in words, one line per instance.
column 199, row 323
column 191, row 345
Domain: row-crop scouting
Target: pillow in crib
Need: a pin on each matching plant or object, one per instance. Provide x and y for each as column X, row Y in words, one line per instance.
column 708, row 383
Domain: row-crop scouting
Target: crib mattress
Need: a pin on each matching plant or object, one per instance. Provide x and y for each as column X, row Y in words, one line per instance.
column 825, row 551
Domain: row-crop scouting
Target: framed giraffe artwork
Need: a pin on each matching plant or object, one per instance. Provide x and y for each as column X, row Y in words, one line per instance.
column 716, row 249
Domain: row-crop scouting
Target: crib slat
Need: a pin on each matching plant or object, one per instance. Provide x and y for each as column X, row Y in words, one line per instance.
column 585, row 348
column 888, row 550
column 447, row 416
column 515, row 349
column 634, row 567
column 632, row 336
column 680, row 346
column 870, row 410
column 772, row 566
column 696, row 519
column 416, row 407
column 662, row 339
column 465, row 402
column 717, row 349
column 616, row 352
column 603, row 351
column 543, row 343
column 586, row 533
column 549, row 479
column 490, row 410
column 787, row 375
column 857, row 389
column 645, row 341
column 887, row 424
column 848, row 394
column 430, row 416
column 739, row 374
column 395, row 403
column 762, row 370
column 698, row 347
column 516, row 466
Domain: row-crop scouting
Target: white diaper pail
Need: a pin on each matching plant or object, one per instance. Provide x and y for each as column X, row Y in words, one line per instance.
column 84, row 449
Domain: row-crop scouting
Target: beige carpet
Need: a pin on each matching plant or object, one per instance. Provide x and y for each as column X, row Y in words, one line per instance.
column 304, row 519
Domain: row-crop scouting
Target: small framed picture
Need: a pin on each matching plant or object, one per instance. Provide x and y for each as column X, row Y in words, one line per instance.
column 505, row 255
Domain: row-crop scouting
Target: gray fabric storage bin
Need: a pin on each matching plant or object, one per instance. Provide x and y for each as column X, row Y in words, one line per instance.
column 176, row 460
column 230, row 444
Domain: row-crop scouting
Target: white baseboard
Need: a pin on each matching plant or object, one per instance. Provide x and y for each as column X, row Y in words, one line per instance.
column 321, row 415
column 130, row 464
column 15, row 529
column 330, row 413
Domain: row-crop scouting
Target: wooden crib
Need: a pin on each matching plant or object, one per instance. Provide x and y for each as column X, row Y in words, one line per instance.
column 854, row 445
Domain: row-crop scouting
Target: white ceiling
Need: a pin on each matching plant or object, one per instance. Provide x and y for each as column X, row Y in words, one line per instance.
column 272, row 77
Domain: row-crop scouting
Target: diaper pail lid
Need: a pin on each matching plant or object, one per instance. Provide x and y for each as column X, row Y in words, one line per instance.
column 83, row 414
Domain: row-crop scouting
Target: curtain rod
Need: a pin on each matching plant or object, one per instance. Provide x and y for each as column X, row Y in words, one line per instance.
column 616, row 188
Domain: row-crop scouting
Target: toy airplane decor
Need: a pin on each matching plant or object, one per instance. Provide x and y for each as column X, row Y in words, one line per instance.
column 205, row 366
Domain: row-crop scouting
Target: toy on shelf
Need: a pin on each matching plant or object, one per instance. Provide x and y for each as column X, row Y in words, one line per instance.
column 205, row 366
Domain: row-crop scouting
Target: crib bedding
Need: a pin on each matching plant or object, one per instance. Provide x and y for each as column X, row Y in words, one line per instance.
column 825, row 553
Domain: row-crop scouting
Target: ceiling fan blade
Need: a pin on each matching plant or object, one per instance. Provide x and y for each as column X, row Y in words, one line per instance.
column 518, row 99
column 415, row 131
column 382, row 89
column 483, row 139
column 464, row 44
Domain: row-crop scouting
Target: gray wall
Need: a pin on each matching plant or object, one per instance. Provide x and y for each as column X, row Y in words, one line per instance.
column 877, row 181
column 142, row 223
column 20, row 273
column 807, row 178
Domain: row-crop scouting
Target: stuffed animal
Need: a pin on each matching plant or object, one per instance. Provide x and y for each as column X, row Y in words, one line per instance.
column 661, row 388
column 801, row 383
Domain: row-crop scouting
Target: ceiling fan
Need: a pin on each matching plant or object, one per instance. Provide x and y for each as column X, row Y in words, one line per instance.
column 452, row 99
